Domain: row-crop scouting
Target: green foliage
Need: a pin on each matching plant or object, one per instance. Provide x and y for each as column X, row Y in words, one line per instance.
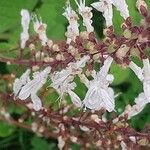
column 51, row 13
column 10, row 13
column 120, row 74
column 41, row 144
column 5, row 129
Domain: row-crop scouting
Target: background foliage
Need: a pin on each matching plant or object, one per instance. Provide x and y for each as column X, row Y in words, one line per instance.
column 50, row 11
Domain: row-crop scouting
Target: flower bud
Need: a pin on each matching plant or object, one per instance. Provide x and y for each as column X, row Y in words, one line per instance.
column 142, row 7
column 56, row 48
column 50, row 43
column 122, row 51
column 127, row 33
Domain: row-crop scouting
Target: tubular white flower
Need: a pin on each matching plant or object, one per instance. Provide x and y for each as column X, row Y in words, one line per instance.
column 143, row 75
column 31, row 88
column 105, row 6
column 146, row 81
column 37, row 104
column 19, row 83
column 86, row 14
column 84, row 79
column 141, row 100
column 137, row 70
column 75, row 99
column 73, row 28
column 122, row 6
column 40, row 28
column 25, row 21
column 105, row 68
column 99, row 95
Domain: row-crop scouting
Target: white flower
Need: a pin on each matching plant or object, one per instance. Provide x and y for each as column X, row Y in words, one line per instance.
column 25, row 21
column 137, row 70
column 71, row 36
column 123, row 145
column 86, row 14
column 131, row 111
column 105, row 6
column 122, row 6
column 72, row 29
column 99, row 95
column 32, row 87
column 75, row 99
column 146, row 80
column 141, row 100
column 80, row 63
column 18, row 83
column 84, row 79
column 63, row 81
column 144, row 75
column 37, row 104
column 40, row 28
column 61, row 143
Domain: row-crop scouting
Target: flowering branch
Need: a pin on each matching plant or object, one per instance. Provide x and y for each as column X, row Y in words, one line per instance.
column 76, row 57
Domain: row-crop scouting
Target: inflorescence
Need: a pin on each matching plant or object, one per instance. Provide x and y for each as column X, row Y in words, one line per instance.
column 76, row 57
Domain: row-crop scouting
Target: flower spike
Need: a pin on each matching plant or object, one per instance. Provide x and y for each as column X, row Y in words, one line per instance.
column 73, row 28
column 86, row 14
column 25, row 21
column 40, row 29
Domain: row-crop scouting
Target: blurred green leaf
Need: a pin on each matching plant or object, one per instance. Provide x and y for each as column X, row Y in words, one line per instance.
column 15, row 109
column 41, row 144
column 6, row 129
column 2, row 86
column 75, row 146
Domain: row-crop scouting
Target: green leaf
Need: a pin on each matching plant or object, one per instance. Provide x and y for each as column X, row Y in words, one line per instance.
column 51, row 13
column 120, row 74
column 6, row 129
column 3, row 86
column 15, row 109
column 41, row 144
column 10, row 24
column 75, row 146
column 10, row 13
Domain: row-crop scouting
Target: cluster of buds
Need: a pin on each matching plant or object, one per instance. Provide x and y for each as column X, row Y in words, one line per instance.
column 76, row 56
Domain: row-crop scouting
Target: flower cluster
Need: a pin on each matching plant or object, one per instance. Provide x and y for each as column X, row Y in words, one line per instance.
column 25, row 87
column 99, row 94
column 62, row 63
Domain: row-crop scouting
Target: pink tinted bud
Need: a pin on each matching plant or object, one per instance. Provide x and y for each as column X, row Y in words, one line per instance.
column 142, row 7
